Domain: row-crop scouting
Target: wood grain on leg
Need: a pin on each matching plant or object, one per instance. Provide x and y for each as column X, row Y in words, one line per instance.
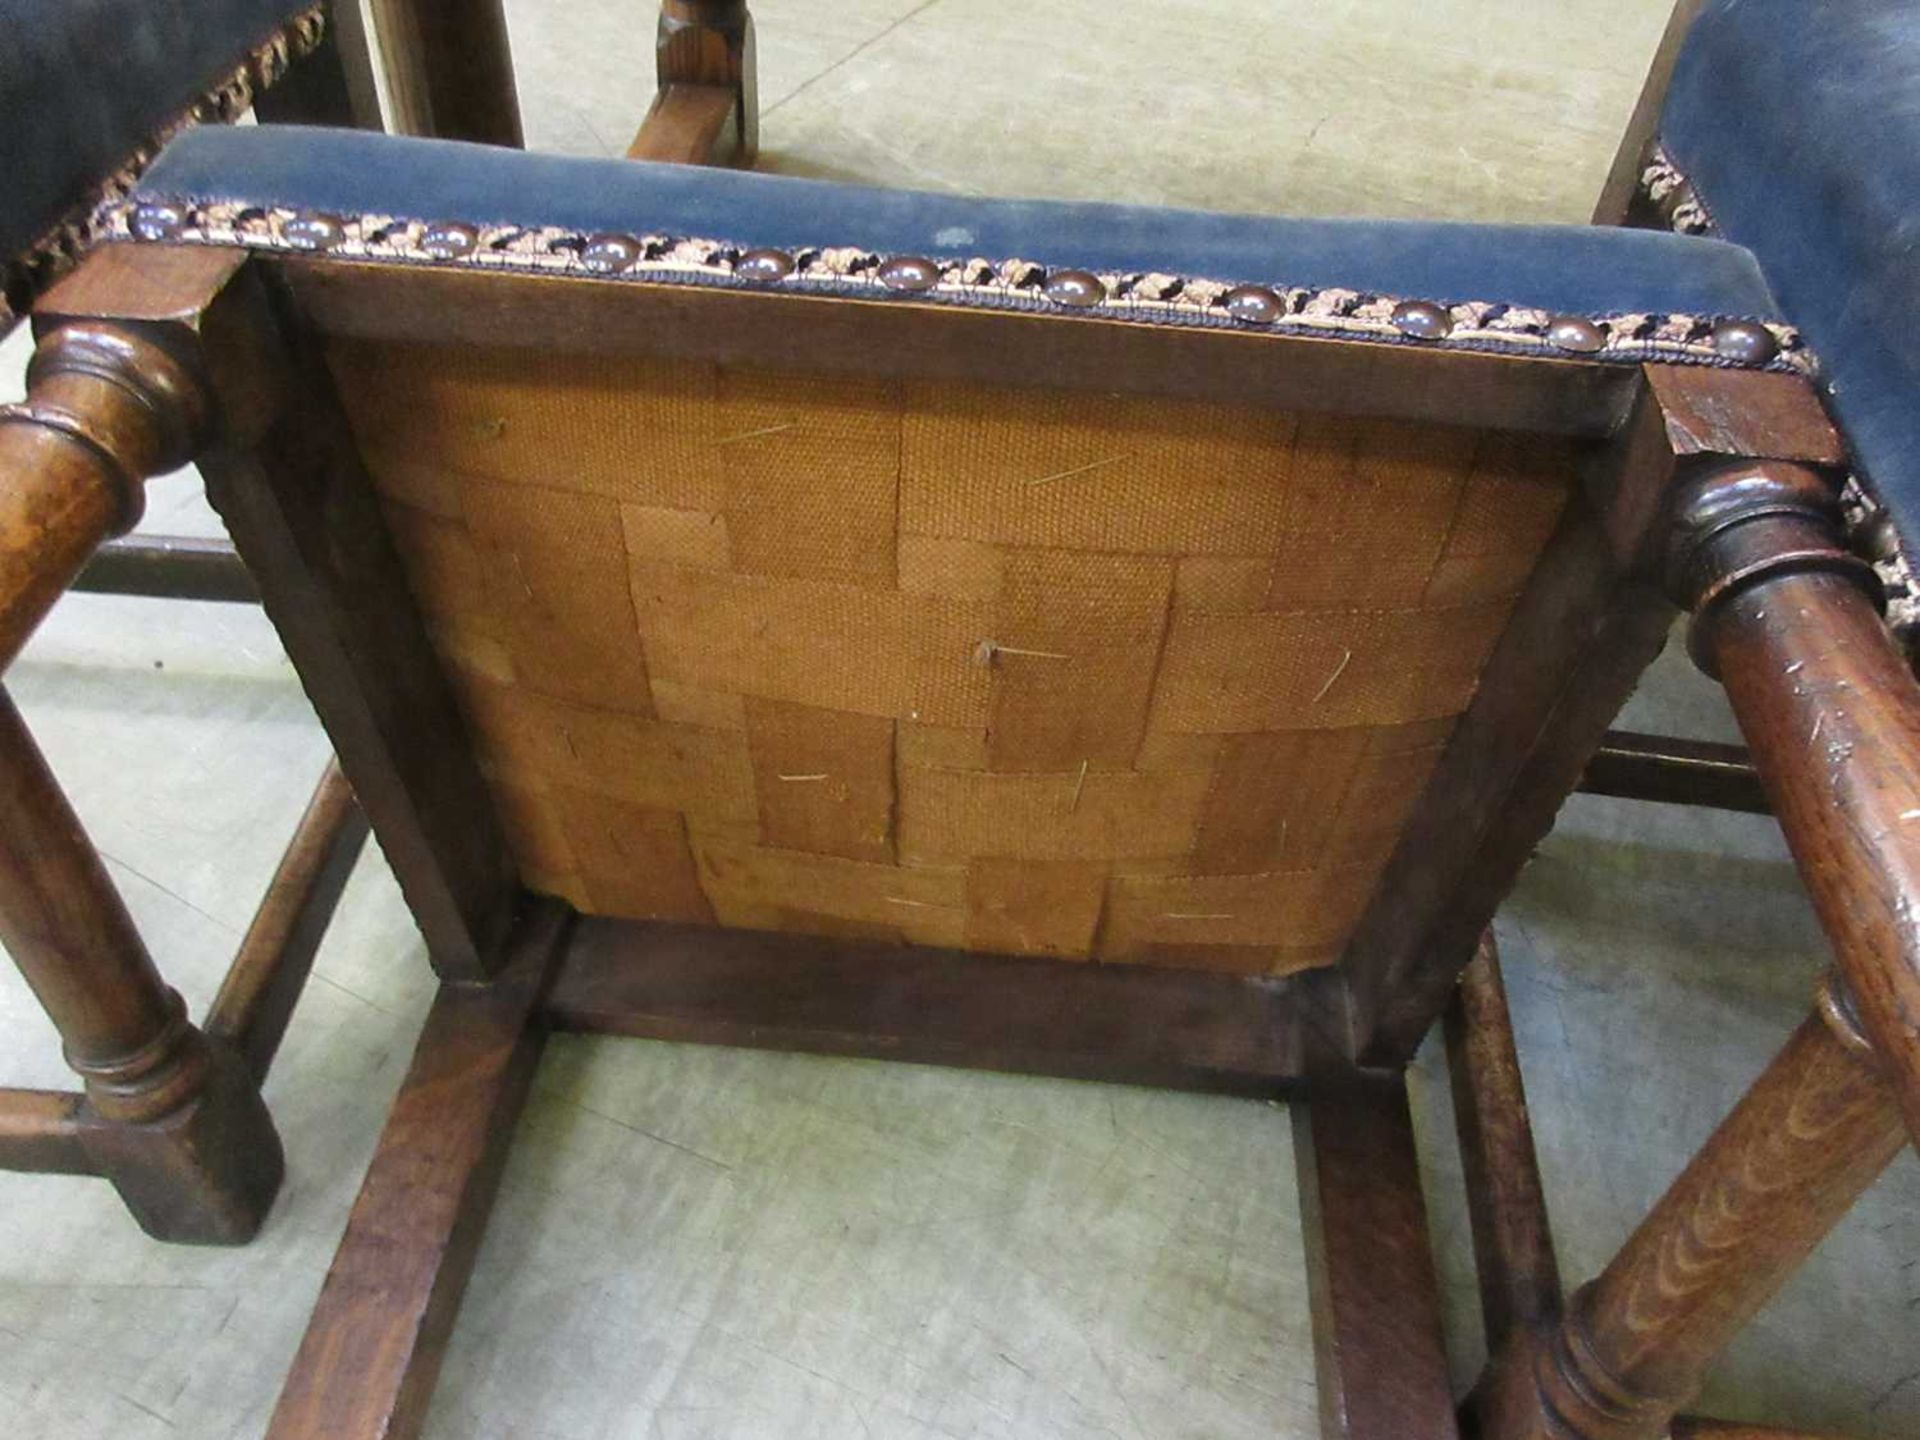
column 1813, row 1132
column 366, row 1369
column 1786, row 616
column 1379, row 1359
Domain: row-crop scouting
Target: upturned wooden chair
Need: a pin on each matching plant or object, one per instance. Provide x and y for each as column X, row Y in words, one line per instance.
column 1081, row 640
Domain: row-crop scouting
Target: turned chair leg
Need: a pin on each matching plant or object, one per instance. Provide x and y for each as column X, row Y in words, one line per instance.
column 706, row 110
column 1634, row 1346
column 175, row 1123
column 1784, row 613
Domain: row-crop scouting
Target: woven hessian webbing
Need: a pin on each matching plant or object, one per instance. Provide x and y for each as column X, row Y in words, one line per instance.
column 1009, row 669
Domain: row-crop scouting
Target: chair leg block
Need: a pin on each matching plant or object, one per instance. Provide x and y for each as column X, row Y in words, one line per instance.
column 205, row 1174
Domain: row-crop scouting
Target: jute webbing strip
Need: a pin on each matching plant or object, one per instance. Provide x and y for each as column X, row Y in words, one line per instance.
column 1110, row 678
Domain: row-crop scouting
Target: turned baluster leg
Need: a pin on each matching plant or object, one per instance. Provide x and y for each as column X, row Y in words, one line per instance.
column 105, row 409
column 1814, row 1131
column 1786, row 617
column 176, row 1124
column 1833, row 717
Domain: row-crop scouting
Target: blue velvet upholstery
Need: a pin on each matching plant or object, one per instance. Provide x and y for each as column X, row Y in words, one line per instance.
column 1557, row 268
column 1798, row 124
column 84, row 83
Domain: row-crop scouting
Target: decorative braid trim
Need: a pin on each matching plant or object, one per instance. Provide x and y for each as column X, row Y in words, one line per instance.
column 1667, row 186
column 974, row 283
column 1871, row 532
column 1870, row 529
column 25, row 275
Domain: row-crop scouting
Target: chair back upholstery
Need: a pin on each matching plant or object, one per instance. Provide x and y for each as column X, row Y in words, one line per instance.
column 90, row 90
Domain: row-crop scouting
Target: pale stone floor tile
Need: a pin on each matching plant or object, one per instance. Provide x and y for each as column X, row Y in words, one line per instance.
column 696, row 1243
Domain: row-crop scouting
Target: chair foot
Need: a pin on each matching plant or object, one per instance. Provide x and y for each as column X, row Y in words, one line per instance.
column 204, row 1174
column 705, row 51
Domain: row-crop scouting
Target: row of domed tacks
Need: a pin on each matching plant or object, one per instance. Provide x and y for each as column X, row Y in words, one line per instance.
column 1742, row 342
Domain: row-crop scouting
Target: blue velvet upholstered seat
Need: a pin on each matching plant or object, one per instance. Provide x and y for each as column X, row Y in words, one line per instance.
column 355, row 178
column 1798, row 126
column 84, row 84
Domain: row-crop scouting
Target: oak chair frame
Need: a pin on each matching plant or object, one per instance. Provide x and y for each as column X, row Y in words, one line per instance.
column 1710, row 491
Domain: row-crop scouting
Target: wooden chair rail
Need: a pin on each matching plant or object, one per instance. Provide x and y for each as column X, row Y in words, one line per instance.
column 168, row 567
column 1512, row 1240
column 276, row 955
column 1179, row 1029
column 43, row 1132
column 1379, row 1357
column 1674, row 771
column 367, row 1365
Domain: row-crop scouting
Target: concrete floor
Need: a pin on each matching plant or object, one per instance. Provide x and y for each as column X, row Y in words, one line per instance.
column 701, row 1243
